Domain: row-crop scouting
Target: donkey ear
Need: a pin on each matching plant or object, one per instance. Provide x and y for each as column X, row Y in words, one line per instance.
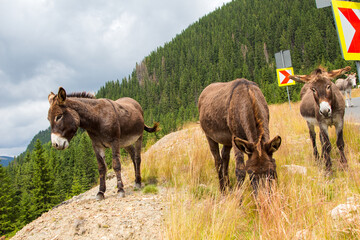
column 61, row 95
column 337, row 72
column 273, row 145
column 51, row 97
column 300, row 78
column 244, row 146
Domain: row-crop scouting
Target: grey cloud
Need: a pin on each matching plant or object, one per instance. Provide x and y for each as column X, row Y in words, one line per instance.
column 78, row 45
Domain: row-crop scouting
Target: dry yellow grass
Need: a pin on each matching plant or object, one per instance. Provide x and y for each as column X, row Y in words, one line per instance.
column 298, row 207
column 355, row 92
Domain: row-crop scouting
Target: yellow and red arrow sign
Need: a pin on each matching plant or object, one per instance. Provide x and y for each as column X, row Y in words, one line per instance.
column 347, row 19
column 283, row 76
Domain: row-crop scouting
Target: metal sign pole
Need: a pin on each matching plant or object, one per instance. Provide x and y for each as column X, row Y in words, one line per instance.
column 358, row 70
column 287, row 87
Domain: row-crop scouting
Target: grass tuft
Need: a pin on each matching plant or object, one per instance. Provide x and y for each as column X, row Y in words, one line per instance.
column 153, row 189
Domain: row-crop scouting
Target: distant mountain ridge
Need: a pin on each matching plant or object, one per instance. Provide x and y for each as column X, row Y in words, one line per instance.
column 5, row 160
column 44, row 136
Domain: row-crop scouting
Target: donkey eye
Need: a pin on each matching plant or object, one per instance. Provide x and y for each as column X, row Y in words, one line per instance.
column 314, row 90
column 328, row 87
column 58, row 117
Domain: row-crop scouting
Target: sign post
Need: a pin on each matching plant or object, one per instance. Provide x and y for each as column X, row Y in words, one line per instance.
column 284, row 70
column 323, row 3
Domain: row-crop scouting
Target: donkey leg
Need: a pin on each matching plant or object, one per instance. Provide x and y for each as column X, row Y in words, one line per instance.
column 351, row 104
column 117, row 168
column 100, row 156
column 225, row 155
column 346, row 99
column 240, row 170
column 138, row 144
column 313, row 140
column 341, row 144
column 326, row 146
column 131, row 150
column 214, row 148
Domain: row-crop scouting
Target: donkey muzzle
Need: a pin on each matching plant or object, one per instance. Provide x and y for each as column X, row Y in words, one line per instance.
column 325, row 109
column 58, row 142
column 262, row 180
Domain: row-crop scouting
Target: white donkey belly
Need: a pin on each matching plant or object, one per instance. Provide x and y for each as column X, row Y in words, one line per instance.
column 129, row 140
column 312, row 121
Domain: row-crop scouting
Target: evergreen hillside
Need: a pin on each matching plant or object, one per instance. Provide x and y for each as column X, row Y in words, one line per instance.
column 238, row 40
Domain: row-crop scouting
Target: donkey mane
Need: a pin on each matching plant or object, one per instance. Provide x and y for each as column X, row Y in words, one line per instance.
column 318, row 74
column 81, row 95
column 319, row 70
column 259, row 122
column 238, row 83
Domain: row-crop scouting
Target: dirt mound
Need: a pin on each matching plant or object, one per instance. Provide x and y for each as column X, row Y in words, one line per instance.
column 172, row 141
column 137, row 216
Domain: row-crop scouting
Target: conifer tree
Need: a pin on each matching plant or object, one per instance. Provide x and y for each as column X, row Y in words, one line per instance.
column 26, row 215
column 6, row 203
column 43, row 186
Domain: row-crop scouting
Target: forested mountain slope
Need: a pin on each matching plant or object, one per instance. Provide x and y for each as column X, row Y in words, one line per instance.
column 237, row 41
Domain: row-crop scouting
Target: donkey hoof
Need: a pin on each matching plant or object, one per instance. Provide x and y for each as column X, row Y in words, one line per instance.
column 121, row 194
column 344, row 166
column 329, row 173
column 137, row 185
column 100, row 196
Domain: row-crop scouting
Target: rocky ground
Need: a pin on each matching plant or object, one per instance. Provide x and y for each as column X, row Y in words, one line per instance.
column 137, row 216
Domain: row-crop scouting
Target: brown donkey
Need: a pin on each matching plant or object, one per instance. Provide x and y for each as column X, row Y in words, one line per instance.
column 110, row 124
column 236, row 114
column 323, row 105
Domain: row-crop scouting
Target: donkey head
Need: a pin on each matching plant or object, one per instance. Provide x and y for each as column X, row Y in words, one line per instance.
column 260, row 164
column 351, row 78
column 64, row 121
column 319, row 81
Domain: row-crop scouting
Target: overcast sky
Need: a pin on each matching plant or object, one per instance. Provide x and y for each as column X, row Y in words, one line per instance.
column 78, row 45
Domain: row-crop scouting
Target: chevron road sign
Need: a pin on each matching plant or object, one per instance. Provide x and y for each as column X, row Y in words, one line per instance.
column 283, row 76
column 347, row 19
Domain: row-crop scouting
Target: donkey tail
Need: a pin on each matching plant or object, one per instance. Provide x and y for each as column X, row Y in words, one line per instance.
column 155, row 128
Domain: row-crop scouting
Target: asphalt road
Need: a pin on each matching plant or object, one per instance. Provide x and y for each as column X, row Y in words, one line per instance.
column 353, row 113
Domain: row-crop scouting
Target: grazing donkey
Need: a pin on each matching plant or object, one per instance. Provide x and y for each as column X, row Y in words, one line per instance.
column 345, row 86
column 116, row 124
column 236, row 114
column 322, row 104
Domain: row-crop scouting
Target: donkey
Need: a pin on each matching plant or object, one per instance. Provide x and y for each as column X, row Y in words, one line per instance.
column 110, row 124
column 236, row 114
column 345, row 86
column 322, row 104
